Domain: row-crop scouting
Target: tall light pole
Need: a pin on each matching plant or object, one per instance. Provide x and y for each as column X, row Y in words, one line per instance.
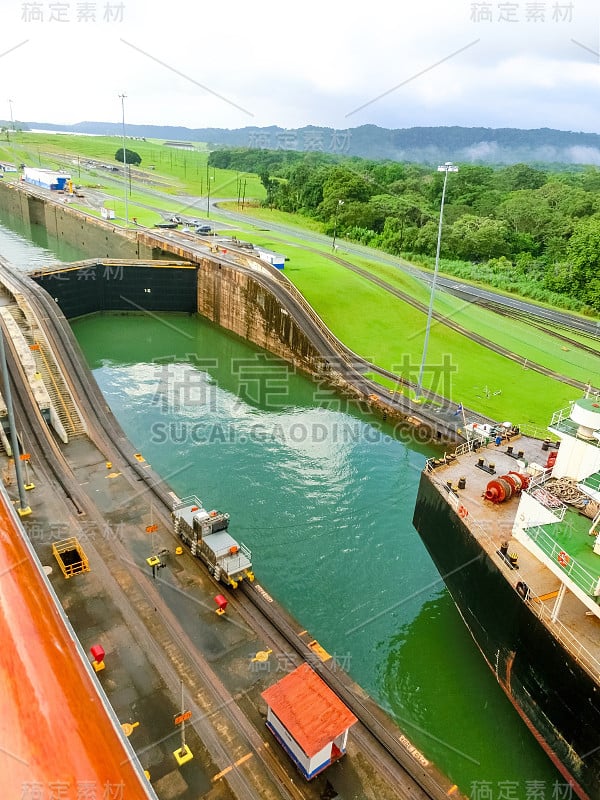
column 446, row 168
column 12, row 127
column 208, row 180
column 339, row 203
column 123, row 96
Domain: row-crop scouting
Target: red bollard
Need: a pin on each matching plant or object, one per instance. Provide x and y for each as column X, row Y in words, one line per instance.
column 98, row 654
column 221, row 603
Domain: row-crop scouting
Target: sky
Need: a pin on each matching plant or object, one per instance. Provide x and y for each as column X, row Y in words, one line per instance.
column 338, row 64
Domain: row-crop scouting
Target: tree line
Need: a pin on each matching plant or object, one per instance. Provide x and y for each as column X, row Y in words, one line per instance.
column 523, row 228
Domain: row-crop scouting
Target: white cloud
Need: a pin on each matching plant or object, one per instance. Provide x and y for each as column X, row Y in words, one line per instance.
column 309, row 63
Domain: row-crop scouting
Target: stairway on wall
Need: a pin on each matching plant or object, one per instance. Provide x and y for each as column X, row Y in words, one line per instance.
column 52, row 377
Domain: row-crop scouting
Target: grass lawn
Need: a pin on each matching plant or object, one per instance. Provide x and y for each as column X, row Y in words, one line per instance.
column 273, row 215
column 308, row 270
column 177, row 171
column 390, row 332
column 144, row 216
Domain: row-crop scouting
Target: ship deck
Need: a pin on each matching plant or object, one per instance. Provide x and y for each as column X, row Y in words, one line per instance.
column 573, row 537
column 491, row 524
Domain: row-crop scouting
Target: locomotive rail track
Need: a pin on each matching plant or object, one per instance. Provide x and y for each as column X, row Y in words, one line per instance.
column 449, row 323
column 393, row 758
column 164, row 638
column 522, row 316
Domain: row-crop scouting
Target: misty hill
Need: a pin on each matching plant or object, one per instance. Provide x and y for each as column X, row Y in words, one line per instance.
column 422, row 145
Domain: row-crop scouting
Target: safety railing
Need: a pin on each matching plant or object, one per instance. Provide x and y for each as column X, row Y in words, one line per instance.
column 580, row 576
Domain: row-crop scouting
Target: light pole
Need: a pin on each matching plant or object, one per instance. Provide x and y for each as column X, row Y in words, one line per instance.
column 12, row 127
column 208, row 180
column 207, row 190
column 445, row 168
column 339, row 203
column 123, row 96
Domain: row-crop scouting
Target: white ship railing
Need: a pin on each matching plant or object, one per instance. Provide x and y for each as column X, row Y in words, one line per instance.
column 571, row 643
column 473, row 443
column 461, row 449
column 580, row 576
column 545, row 497
column 540, row 478
column 560, row 415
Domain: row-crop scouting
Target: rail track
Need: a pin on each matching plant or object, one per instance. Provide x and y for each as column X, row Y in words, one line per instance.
column 400, row 765
column 522, row 316
column 167, row 636
column 475, row 337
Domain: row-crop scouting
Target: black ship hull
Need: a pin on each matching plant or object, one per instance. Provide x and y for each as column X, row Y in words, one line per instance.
column 558, row 700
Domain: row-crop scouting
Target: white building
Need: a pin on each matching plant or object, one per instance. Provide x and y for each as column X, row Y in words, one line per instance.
column 308, row 720
column 46, row 178
column 275, row 259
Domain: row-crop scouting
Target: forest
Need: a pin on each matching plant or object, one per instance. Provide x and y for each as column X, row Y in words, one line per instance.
column 526, row 229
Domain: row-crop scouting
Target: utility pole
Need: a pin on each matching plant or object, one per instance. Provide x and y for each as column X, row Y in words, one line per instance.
column 337, row 206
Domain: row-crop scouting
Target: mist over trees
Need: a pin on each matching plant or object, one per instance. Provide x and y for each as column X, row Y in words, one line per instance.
column 521, row 228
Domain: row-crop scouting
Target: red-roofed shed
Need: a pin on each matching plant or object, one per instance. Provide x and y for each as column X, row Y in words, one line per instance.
column 309, row 721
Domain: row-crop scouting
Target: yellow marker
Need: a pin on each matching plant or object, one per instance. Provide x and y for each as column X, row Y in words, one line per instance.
column 319, row 651
column 262, row 655
column 183, row 755
column 178, row 551
column 109, row 465
column 128, row 727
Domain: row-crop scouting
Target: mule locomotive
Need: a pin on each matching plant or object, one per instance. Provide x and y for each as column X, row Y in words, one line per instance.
column 205, row 533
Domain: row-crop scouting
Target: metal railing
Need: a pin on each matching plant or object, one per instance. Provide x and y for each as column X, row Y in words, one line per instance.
column 560, row 415
column 561, row 420
column 580, row 576
column 593, row 482
column 545, row 497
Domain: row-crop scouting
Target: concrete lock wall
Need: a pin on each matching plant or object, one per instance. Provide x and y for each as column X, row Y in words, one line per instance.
column 231, row 299
column 91, row 235
column 14, row 203
column 236, row 301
